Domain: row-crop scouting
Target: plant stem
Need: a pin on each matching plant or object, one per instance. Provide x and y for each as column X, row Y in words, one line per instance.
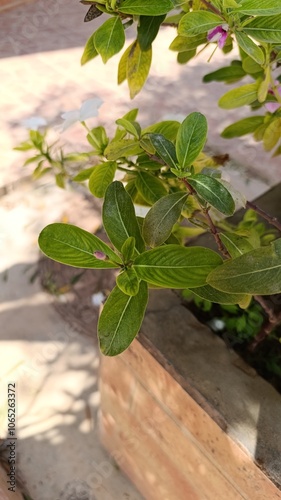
column 211, row 7
column 211, row 225
column 267, row 328
column 272, row 220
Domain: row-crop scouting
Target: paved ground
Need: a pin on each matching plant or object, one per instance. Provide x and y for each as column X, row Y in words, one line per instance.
column 55, row 368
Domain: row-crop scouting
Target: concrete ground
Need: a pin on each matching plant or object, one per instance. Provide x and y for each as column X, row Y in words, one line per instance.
column 54, row 367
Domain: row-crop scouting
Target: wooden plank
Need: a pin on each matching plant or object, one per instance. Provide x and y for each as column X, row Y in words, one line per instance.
column 233, row 462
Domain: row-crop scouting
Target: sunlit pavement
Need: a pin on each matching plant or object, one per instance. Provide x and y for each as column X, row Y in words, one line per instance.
column 55, row 368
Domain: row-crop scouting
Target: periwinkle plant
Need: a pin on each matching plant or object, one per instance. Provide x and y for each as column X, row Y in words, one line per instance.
column 165, row 168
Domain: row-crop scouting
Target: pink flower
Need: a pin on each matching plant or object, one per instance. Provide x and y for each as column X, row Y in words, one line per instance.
column 273, row 106
column 218, row 34
column 100, row 255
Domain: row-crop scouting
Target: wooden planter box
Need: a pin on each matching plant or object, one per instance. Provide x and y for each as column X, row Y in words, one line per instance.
column 185, row 418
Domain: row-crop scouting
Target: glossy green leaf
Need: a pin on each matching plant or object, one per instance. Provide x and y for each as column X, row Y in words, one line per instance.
column 236, row 245
column 191, row 138
column 83, row 175
column 129, row 126
column 265, row 29
column 165, row 149
column 150, row 187
column 213, row 192
column 174, row 266
column 75, row 247
column 109, row 38
column 121, row 319
column 242, row 127
column 256, row 273
column 249, row 47
column 90, row 50
column 138, row 66
column 228, row 74
column 119, row 217
column 119, row 149
column 101, row 177
column 272, row 134
column 148, row 28
column 128, row 249
column 146, row 7
column 128, row 282
column 207, row 292
column 194, row 23
column 160, row 219
column 168, row 128
column 259, row 7
column 239, row 97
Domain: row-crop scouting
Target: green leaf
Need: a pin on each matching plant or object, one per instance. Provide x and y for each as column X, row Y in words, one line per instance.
column 249, row 47
column 146, row 7
column 259, row 7
column 60, row 180
column 129, row 126
column 75, row 247
column 168, row 128
column 122, row 66
column 131, row 115
column 138, row 66
column 194, row 23
column 150, row 187
column 121, row 319
column 148, row 28
column 90, row 50
column 144, row 162
column 165, row 149
column 128, row 249
column 101, row 177
column 24, row 146
column 184, row 44
column 252, row 67
column 160, row 219
column 207, row 292
column 212, row 191
column 128, row 282
column 174, row 266
column 184, row 57
column 119, row 217
column 256, row 273
column 228, row 74
column 265, row 29
column 98, row 139
column 109, row 38
column 83, row 175
column 242, row 127
column 272, row 134
column 119, row 149
column 239, row 97
column 236, row 245
column 191, row 138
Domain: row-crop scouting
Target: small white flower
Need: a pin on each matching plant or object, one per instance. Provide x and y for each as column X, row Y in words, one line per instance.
column 34, row 122
column 89, row 109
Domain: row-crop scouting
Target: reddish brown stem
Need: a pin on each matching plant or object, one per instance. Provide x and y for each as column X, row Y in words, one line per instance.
column 272, row 220
column 268, row 326
column 211, row 225
column 211, row 7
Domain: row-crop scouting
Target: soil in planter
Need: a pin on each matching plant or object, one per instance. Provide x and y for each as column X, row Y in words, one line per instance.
column 238, row 327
